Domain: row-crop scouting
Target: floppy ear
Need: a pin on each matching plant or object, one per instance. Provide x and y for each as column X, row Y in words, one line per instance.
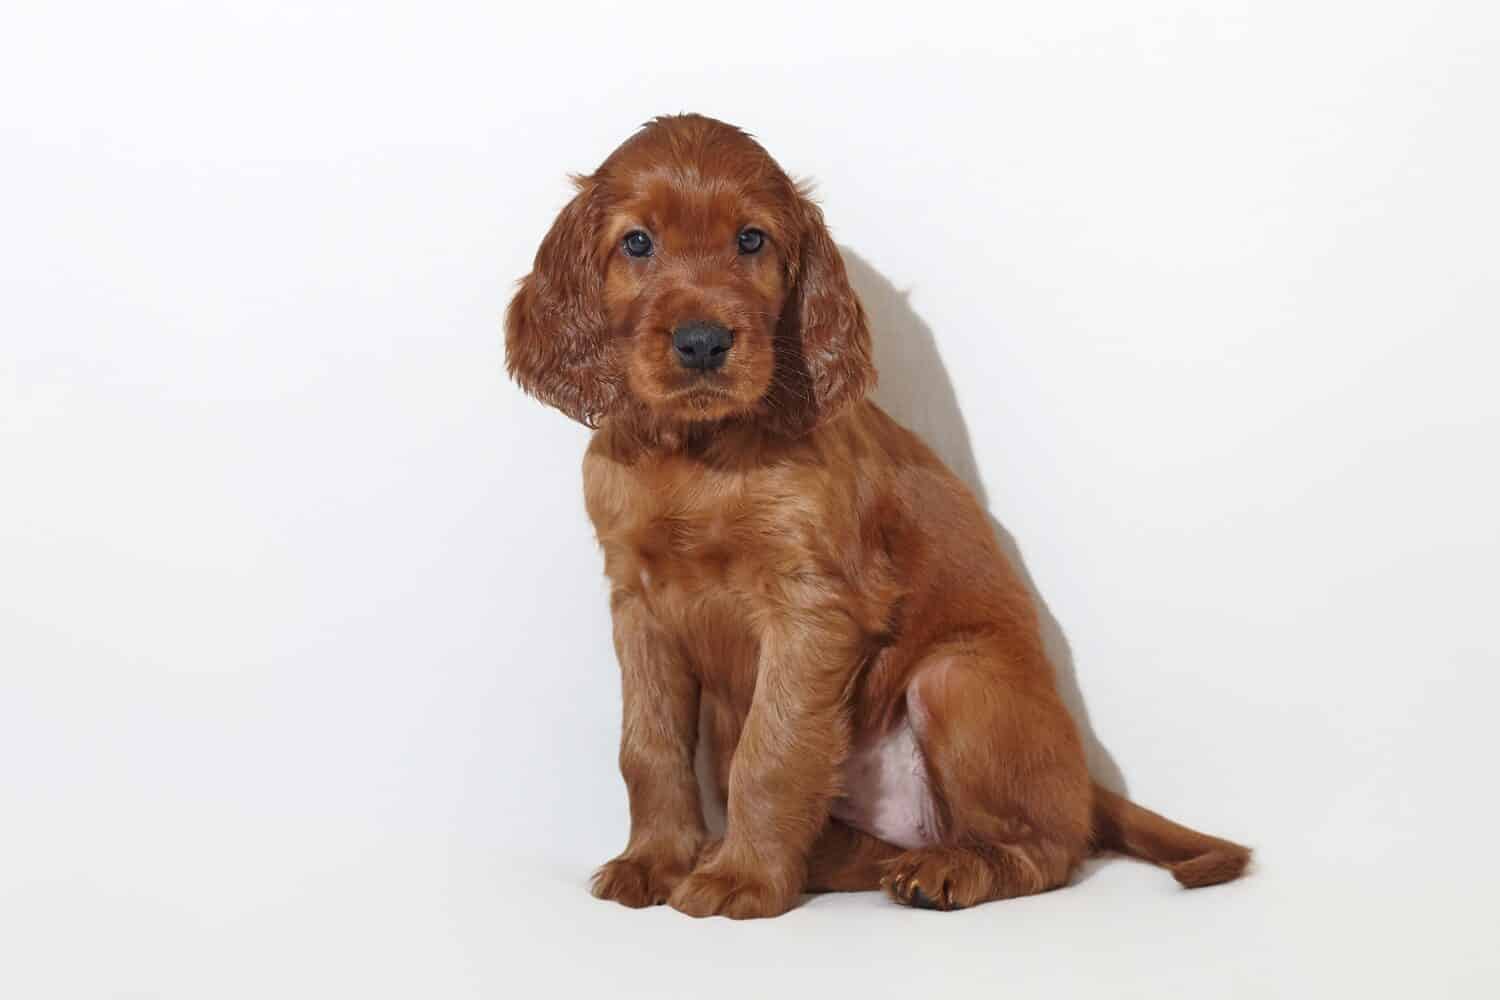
column 823, row 328
column 556, row 332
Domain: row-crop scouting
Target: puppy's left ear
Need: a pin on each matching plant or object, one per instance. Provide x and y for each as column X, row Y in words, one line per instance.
column 824, row 328
column 556, row 331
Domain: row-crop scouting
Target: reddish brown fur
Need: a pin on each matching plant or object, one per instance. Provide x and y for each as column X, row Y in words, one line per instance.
column 782, row 551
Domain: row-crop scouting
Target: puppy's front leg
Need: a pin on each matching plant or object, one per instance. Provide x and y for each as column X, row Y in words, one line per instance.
column 784, row 773
column 658, row 738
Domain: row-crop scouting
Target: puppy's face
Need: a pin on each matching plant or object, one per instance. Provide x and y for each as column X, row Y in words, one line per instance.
column 689, row 281
column 697, row 274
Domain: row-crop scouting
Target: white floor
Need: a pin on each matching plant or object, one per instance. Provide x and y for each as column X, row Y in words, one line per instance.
column 1123, row 931
column 416, row 917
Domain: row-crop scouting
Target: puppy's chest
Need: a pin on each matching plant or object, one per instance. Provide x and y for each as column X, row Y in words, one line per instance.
column 674, row 552
column 699, row 573
column 704, row 553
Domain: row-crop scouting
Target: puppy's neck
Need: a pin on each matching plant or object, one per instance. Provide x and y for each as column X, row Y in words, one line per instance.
column 736, row 441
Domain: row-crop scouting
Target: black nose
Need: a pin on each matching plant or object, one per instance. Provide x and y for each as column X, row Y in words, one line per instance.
column 701, row 345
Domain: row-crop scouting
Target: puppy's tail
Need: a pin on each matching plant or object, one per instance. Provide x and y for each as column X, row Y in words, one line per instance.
column 1194, row 859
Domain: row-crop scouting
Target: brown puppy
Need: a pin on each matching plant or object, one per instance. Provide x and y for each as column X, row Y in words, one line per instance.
column 879, row 707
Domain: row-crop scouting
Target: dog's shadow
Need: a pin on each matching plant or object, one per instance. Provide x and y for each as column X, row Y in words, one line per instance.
column 915, row 390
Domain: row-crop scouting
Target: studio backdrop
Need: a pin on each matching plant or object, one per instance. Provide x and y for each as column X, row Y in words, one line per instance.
column 306, row 683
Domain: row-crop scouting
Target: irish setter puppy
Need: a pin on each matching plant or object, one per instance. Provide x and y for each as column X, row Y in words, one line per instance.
column 784, row 556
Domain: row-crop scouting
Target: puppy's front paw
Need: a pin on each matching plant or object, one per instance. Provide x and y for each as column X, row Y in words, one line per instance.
column 639, row 880
column 709, row 892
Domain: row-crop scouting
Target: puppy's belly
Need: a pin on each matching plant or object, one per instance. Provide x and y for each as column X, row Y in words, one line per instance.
column 886, row 790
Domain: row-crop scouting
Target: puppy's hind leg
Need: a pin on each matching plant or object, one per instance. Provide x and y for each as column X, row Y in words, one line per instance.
column 844, row 859
column 1008, row 771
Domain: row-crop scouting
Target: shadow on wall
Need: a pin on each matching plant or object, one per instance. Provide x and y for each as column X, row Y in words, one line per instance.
column 915, row 390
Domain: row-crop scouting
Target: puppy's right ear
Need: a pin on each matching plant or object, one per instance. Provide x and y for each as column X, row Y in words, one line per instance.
column 556, row 331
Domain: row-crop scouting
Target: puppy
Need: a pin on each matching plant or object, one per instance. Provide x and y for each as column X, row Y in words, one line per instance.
column 794, row 568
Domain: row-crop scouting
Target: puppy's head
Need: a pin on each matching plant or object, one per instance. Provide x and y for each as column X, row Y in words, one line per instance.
column 690, row 280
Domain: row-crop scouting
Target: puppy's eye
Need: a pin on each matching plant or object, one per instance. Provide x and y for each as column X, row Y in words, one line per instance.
column 751, row 240
column 636, row 244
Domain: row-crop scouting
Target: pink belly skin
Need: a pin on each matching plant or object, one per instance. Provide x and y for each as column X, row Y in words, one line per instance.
column 886, row 791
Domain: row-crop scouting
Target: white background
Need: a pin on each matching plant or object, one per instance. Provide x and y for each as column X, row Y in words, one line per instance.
column 305, row 679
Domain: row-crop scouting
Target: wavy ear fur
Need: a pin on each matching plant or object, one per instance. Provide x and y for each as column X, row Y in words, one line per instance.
column 823, row 333
column 556, row 332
